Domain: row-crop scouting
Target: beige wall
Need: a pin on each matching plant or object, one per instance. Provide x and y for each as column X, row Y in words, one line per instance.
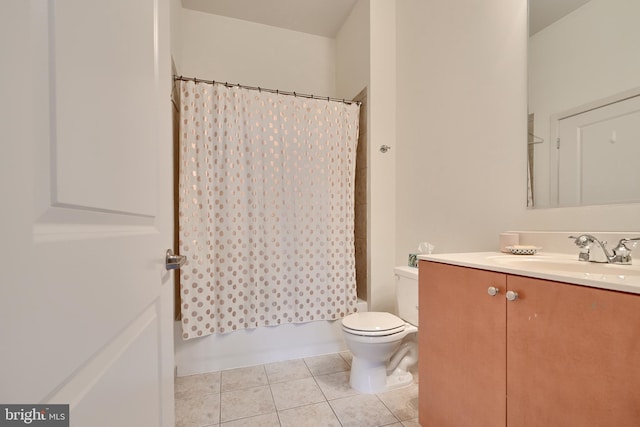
column 461, row 124
column 175, row 19
column 382, row 167
column 214, row 47
column 353, row 51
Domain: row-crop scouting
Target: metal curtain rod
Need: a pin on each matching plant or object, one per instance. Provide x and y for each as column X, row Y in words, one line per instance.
column 261, row 89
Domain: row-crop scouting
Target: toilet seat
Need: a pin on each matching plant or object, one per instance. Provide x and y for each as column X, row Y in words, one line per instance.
column 373, row 324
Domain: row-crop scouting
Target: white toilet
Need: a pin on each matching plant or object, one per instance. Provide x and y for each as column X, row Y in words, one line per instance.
column 384, row 346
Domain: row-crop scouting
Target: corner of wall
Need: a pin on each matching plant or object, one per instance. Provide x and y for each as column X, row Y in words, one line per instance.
column 175, row 27
column 352, row 52
column 382, row 167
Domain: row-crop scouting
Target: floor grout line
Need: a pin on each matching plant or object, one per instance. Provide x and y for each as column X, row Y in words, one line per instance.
column 330, row 367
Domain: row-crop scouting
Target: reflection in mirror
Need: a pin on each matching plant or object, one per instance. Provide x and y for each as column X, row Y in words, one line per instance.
column 584, row 108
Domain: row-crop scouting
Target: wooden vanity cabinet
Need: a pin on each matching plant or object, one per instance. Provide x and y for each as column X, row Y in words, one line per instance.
column 559, row 355
column 461, row 347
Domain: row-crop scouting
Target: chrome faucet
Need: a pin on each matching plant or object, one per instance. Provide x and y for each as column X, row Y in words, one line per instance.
column 621, row 254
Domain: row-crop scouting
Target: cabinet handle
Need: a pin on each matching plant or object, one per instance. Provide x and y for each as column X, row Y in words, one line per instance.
column 512, row 296
column 493, row 291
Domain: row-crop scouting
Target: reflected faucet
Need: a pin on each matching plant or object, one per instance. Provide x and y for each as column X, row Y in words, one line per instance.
column 621, row 254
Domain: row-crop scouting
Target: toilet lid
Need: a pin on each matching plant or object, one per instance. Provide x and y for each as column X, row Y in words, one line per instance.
column 373, row 323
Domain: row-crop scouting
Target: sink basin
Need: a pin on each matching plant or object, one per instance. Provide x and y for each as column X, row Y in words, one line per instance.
column 563, row 265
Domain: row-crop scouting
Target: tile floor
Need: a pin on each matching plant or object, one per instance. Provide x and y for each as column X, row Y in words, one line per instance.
column 312, row 392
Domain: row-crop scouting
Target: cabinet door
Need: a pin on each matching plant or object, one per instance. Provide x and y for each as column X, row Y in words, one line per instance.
column 462, row 347
column 573, row 356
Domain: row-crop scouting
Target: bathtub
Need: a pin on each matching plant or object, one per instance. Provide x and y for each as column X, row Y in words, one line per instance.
column 249, row 347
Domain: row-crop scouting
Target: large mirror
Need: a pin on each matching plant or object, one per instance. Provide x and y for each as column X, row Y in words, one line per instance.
column 584, row 102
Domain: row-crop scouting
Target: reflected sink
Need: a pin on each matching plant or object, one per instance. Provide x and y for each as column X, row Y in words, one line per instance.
column 564, row 265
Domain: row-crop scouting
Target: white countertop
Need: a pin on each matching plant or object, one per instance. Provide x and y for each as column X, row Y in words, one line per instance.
column 550, row 266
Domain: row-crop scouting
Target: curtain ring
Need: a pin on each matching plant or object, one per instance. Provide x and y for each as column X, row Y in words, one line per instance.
column 295, row 95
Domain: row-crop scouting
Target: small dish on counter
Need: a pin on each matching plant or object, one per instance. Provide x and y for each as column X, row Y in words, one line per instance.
column 523, row 249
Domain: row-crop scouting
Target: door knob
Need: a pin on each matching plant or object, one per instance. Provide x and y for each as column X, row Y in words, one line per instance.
column 174, row 262
column 493, row 291
column 512, row 296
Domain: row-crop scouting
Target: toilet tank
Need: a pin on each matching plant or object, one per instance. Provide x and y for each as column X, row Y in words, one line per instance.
column 407, row 293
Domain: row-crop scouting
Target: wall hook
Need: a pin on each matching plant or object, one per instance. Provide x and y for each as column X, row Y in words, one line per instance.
column 384, row 148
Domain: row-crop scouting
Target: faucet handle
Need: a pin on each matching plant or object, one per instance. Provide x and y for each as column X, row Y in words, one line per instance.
column 633, row 241
column 623, row 252
column 583, row 241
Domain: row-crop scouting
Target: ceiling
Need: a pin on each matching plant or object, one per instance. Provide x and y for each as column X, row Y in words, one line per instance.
column 325, row 17
column 319, row 17
column 543, row 13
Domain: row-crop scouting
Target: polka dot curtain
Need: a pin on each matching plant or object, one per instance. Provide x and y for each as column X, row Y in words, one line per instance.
column 266, row 208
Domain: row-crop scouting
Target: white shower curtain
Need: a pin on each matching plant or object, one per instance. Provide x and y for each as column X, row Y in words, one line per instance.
column 266, row 208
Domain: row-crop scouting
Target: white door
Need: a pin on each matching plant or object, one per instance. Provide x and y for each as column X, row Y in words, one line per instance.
column 598, row 154
column 85, row 172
